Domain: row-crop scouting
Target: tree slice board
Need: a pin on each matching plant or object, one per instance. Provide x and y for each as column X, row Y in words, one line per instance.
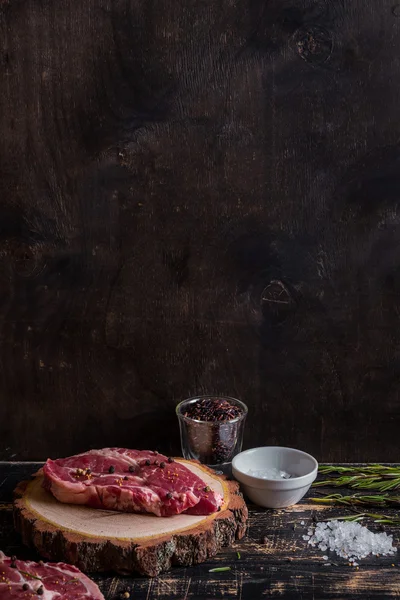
column 103, row 540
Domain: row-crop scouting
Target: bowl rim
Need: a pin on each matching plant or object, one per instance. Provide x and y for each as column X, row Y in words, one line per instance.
column 253, row 479
column 202, row 397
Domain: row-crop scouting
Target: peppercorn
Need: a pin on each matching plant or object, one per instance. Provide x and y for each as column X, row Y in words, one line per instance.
column 219, row 508
column 111, row 469
column 40, row 591
column 156, row 463
column 170, row 460
column 131, row 469
column 162, row 465
column 126, row 478
column 207, row 489
column 13, row 565
column 213, row 409
column 147, row 463
column 25, row 587
column 88, row 471
column 169, row 495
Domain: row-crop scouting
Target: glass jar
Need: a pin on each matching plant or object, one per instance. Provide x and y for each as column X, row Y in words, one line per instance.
column 212, row 441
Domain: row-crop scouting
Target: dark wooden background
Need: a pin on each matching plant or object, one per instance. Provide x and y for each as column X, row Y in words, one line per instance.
column 199, row 196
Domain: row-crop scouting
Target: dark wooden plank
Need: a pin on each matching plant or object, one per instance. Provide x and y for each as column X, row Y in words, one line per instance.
column 284, row 567
column 166, row 170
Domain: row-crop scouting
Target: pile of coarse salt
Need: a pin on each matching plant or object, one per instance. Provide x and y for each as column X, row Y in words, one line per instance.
column 350, row 540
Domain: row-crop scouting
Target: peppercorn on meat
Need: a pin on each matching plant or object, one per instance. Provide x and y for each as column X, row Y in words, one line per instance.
column 50, row 581
column 140, row 481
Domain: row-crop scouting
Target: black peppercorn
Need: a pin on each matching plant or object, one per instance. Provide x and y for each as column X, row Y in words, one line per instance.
column 162, row 465
column 88, row 471
column 207, row 489
column 111, row 469
column 169, row 495
column 219, row 508
column 25, row 587
column 170, row 460
column 13, row 565
column 131, row 469
column 40, row 591
column 147, row 463
column 126, row 478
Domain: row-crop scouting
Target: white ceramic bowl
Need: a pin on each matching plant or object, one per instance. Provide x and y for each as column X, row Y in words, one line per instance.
column 275, row 493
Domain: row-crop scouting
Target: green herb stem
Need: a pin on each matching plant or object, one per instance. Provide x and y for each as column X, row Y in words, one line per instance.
column 379, row 478
column 219, row 569
column 30, row 575
column 360, row 469
column 377, row 500
column 359, row 517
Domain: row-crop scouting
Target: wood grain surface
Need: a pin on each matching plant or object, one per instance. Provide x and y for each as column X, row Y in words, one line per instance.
column 199, row 197
column 284, row 567
column 126, row 543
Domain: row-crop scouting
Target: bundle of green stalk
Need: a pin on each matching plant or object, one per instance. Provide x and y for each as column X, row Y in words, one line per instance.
column 380, row 478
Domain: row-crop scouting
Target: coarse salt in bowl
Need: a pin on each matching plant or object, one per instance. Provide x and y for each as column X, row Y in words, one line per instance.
column 263, row 475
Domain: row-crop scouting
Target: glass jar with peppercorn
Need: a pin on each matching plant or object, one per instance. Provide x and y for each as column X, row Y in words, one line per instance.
column 212, row 429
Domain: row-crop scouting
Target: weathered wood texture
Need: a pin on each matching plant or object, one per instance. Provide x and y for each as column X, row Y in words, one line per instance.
column 284, row 567
column 199, row 196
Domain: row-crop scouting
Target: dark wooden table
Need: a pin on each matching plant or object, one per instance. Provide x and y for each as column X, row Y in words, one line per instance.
column 284, row 567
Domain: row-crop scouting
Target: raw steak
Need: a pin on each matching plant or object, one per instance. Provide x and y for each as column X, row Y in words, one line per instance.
column 58, row 581
column 138, row 481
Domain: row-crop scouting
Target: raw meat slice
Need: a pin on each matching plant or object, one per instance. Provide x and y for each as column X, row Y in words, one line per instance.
column 138, row 481
column 58, row 581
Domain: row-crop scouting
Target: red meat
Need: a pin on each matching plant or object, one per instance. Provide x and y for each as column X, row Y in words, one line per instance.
column 139, row 481
column 58, row 581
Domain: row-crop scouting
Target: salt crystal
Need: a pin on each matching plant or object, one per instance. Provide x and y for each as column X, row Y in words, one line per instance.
column 350, row 540
column 270, row 473
column 302, row 523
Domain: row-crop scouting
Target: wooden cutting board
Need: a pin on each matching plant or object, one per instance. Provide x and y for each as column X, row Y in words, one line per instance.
column 103, row 540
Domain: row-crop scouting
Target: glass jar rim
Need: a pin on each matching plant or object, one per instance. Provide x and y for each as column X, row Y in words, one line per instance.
column 192, row 399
